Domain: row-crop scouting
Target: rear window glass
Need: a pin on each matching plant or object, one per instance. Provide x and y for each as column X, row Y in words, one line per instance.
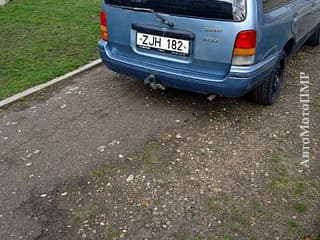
column 234, row 10
column 269, row 5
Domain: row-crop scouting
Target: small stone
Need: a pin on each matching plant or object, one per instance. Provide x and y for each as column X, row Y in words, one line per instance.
column 11, row 123
column 73, row 88
column 211, row 97
column 178, row 136
column 64, row 194
column 29, row 164
column 111, row 144
column 43, row 195
column 101, row 148
column 130, row 178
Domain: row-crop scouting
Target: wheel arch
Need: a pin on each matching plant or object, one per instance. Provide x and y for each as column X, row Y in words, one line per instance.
column 289, row 47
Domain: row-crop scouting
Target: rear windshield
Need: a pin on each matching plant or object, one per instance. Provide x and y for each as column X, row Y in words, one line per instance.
column 234, row 10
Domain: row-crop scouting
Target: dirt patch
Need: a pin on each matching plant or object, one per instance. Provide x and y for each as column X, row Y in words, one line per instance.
column 232, row 173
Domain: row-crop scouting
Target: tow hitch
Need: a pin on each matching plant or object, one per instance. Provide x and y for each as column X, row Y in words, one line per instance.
column 152, row 82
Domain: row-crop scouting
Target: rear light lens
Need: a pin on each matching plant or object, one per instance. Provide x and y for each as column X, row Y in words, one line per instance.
column 103, row 26
column 245, row 48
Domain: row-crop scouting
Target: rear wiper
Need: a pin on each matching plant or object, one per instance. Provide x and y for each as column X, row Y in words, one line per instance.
column 161, row 18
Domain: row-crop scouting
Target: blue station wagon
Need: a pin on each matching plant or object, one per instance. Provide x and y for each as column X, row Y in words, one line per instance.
column 222, row 47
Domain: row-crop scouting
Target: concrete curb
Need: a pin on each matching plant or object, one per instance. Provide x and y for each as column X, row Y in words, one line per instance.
column 4, row 2
column 49, row 83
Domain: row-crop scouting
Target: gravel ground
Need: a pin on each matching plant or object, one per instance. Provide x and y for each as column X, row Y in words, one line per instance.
column 231, row 172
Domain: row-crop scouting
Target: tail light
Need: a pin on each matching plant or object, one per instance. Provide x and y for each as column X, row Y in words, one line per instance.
column 245, row 48
column 103, row 26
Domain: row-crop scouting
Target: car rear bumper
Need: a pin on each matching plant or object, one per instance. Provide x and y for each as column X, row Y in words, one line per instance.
column 238, row 82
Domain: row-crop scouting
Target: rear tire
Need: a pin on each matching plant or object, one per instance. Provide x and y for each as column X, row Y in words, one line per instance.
column 314, row 40
column 268, row 92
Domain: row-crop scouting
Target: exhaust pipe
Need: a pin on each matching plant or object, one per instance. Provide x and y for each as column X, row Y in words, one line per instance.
column 152, row 82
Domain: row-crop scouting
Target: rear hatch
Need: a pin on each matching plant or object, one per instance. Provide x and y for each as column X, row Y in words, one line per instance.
column 190, row 35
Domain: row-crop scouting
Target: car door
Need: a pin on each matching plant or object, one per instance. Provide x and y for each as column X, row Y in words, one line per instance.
column 303, row 18
column 316, row 12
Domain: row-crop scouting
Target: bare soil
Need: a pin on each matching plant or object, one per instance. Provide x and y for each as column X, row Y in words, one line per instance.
column 233, row 172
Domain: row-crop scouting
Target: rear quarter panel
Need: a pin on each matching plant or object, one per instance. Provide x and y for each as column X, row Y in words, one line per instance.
column 275, row 30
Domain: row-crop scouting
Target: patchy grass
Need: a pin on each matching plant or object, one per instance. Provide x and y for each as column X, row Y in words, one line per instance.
column 239, row 216
column 112, row 232
column 187, row 236
column 83, row 214
column 151, row 151
column 99, row 173
column 315, row 102
column 258, row 207
column 301, row 207
column 44, row 39
column 213, row 206
column 218, row 202
column 280, row 156
column 292, row 226
column 286, row 182
column 300, row 192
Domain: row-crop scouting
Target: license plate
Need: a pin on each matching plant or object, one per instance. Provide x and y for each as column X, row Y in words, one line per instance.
column 163, row 44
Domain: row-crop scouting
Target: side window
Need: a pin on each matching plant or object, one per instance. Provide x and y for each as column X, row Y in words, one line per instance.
column 269, row 5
